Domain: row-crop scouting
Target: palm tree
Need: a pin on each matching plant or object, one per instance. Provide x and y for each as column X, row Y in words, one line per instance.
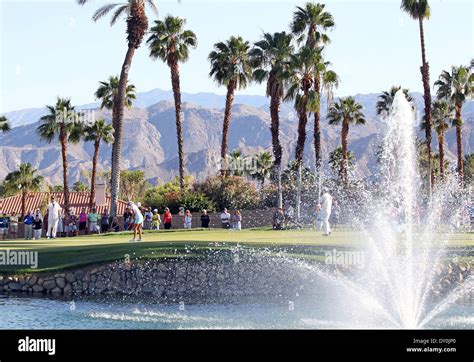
column 420, row 10
column 97, row 132
column 385, row 101
column 335, row 158
column 264, row 166
column 300, row 89
column 237, row 160
column 346, row 111
column 137, row 25
column 230, row 66
column 456, row 87
column 170, row 43
column 310, row 24
column 62, row 122
column 271, row 57
column 24, row 179
column 108, row 91
column 442, row 114
column 4, row 124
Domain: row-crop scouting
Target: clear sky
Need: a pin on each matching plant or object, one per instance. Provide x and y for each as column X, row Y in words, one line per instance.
column 51, row 48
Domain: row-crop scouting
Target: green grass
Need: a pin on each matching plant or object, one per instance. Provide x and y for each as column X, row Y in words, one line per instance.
column 67, row 253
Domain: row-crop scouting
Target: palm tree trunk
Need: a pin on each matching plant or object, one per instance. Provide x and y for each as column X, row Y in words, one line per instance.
column 459, row 145
column 317, row 124
column 225, row 130
column 317, row 133
column 275, row 103
column 299, row 154
column 24, row 194
column 441, row 153
column 118, row 121
column 95, row 160
column 63, row 141
column 425, row 74
column 344, row 137
column 179, row 120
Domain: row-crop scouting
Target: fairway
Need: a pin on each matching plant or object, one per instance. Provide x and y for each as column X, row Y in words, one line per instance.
column 66, row 253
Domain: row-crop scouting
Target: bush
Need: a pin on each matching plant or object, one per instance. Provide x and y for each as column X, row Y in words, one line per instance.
column 231, row 192
column 164, row 196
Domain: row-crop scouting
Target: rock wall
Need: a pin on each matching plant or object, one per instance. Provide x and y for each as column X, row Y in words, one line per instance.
column 218, row 277
column 168, row 280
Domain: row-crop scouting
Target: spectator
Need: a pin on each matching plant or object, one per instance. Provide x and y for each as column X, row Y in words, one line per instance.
column 115, row 227
column 37, row 226
column 319, row 218
column 278, row 219
column 104, row 222
column 83, row 221
column 205, row 219
column 28, row 223
column 188, row 219
column 4, row 227
column 225, row 219
column 93, row 218
column 290, row 214
column 148, row 219
column 71, row 224
column 167, row 219
column 13, row 226
column 155, row 220
column 127, row 217
column 62, row 225
column 237, row 220
column 54, row 211
column 336, row 214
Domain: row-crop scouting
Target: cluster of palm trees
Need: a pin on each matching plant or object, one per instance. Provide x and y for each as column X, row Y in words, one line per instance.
column 292, row 64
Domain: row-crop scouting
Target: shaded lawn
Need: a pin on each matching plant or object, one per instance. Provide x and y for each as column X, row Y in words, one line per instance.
column 67, row 253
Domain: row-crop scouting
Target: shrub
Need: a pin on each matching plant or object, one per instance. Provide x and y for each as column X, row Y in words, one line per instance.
column 231, row 192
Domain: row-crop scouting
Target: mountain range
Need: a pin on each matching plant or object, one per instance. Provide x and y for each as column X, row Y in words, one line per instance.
column 149, row 142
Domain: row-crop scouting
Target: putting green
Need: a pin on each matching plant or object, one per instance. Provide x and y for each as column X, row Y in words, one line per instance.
column 66, row 253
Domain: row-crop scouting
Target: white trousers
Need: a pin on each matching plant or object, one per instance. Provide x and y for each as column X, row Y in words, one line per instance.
column 52, row 228
column 325, row 216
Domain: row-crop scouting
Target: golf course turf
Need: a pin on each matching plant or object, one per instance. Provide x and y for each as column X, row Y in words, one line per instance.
column 72, row 252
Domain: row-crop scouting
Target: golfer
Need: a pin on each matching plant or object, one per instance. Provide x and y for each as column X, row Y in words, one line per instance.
column 53, row 218
column 138, row 221
column 325, row 213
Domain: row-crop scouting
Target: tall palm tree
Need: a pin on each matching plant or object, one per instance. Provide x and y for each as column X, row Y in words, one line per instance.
column 4, row 124
column 137, row 25
column 300, row 89
column 63, row 122
column 271, row 56
column 385, row 101
column 170, row 43
column 456, row 87
column 346, row 111
column 264, row 166
column 230, row 66
column 25, row 179
column 310, row 24
column 442, row 116
column 97, row 132
column 107, row 93
column 420, row 10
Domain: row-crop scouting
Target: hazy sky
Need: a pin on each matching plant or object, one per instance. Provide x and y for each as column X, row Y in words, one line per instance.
column 51, row 48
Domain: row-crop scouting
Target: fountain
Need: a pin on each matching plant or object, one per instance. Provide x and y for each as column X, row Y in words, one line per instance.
column 396, row 288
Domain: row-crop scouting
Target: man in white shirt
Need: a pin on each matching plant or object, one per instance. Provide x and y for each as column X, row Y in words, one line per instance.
column 225, row 219
column 53, row 218
column 326, row 206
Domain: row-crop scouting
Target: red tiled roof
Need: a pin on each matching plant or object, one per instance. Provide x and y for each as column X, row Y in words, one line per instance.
column 35, row 200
